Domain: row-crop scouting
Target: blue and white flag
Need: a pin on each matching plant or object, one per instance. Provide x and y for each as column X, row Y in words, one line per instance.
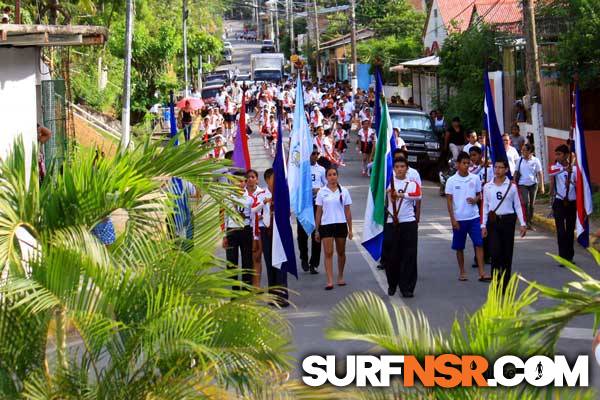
column 283, row 255
column 583, row 188
column 299, row 175
column 181, row 214
column 490, row 124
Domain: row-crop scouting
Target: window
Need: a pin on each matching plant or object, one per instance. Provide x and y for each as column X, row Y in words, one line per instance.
column 410, row 122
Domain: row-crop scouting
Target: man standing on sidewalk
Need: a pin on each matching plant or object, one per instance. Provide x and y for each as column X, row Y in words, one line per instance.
column 317, row 173
column 463, row 193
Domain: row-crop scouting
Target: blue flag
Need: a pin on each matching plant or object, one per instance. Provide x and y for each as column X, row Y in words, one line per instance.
column 299, row 175
column 378, row 94
column 283, row 256
column 181, row 214
column 490, row 124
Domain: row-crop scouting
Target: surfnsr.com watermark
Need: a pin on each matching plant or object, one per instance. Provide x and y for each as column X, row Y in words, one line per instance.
column 446, row 370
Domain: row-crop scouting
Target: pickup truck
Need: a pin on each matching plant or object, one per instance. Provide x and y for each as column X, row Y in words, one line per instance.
column 424, row 148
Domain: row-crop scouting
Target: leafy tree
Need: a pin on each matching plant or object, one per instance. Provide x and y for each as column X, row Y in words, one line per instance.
column 138, row 319
column 399, row 19
column 462, row 62
column 577, row 48
column 390, row 50
column 501, row 326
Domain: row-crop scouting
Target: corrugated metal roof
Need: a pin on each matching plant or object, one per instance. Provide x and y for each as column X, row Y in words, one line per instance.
column 430, row 61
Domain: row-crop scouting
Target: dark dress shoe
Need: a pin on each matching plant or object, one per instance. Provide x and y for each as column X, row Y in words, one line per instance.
column 408, row 294
column 304, row 266
column 313, row 270
column 391, row 291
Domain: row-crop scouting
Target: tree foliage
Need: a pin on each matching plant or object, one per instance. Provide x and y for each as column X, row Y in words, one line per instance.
column 577, row 49
column 141, row 318
column 463, row 60
column 390, row 50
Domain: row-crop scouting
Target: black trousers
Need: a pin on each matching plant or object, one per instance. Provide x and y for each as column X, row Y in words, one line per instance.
column 275, row 276
column 315, row 247
column 501, row 234
column 400, row 242
column 564, row 218
column 240, row 241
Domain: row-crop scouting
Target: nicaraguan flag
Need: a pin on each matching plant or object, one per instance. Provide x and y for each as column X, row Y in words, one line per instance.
column 380, row 175
column 299, row 175
column 490, row 124
column 283, row 256
column 583, row 188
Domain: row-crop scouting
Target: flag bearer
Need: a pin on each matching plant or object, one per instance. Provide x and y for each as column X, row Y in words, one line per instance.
column 238, row 234
column 317, row 174
column 501, row 209
column 563, row 184
column 275, row 277
column 401, row 231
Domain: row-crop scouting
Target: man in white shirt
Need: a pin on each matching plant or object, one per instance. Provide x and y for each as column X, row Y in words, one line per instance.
column 501, row 208
column 238, row 235
column 463, row 192
column 317, row 173
column 400, row 234
column 472, row 137
column 512, row 155
column 562, row 184
column 348, row 113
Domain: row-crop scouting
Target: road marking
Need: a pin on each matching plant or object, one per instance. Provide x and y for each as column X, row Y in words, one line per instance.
column 379, row 275
column 577, row 333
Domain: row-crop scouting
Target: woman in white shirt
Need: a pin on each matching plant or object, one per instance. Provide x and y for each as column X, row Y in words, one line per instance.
column 257, row 194
column 528, row 176
column 333, row 224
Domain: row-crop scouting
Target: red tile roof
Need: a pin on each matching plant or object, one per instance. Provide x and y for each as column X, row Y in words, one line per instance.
column 459, row 13
column 456, row 12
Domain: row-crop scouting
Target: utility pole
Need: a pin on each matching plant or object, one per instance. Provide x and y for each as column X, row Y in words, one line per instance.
column 185, row 57
column 353, row 71
column 125, row 114
column 317, row 44
column 257, row 2
column 17, row 11
column 276, row 25
column 533, row 81
column 292, row 39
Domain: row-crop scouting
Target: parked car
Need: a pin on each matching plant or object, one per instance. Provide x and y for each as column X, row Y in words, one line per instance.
column 424, row 147
column 228, row 45
column 268, row 48
column 227, row 56
column 242, row 78
column 224, row 75
column 267, row 42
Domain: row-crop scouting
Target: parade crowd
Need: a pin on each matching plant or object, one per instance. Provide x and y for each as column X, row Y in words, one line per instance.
column 485, row 201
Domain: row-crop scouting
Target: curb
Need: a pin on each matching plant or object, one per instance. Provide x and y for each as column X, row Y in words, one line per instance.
column 548, row 224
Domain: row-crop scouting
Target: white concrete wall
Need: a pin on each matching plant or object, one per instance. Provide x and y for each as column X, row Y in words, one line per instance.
column 435, row 21
column 18, row 105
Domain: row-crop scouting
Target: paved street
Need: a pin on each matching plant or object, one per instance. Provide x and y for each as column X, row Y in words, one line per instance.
column 439, row 294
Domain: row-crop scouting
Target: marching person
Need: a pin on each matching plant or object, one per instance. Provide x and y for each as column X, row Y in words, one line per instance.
column 276, row 278
column 238, row 236
column 366, row 137
column 401, row 227
column 562, row 185
column 485, row 172
column 317, row 174
column 463, row 193
column 257, row 195
column 512, row 154
column 528, row 177
column 501, row 208
column 333, row 224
